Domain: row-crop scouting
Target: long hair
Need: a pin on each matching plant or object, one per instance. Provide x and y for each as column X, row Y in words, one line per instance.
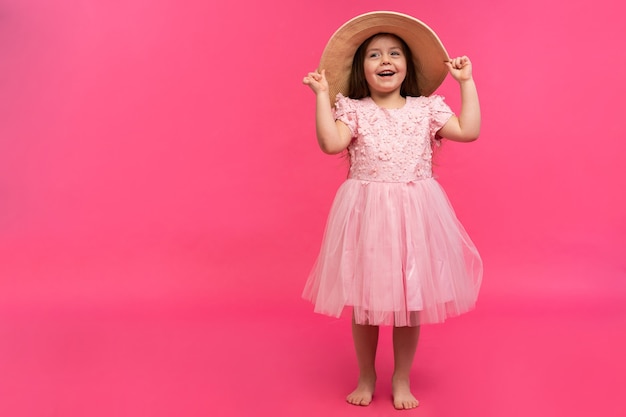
column 357, row 87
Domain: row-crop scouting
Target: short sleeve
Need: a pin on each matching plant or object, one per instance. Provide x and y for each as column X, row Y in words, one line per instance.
column 440, row 112
column 345, row 111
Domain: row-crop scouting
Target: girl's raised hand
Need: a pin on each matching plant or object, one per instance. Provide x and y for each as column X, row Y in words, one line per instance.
column 460, row 68
column 317, row 81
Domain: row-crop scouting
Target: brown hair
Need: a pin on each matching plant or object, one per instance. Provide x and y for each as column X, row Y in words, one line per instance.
column 358, row 88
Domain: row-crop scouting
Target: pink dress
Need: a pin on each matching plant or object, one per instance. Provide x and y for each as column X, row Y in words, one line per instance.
column 393, row 248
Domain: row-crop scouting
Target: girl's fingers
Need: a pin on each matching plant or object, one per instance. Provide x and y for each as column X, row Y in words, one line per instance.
column 316, row 75
column 311, row 77
column 315, row 78
column 458, row 62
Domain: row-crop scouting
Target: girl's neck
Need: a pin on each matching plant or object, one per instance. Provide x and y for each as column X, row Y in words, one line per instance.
column 389, row 101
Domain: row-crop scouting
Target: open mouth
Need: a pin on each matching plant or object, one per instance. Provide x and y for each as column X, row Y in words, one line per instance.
column 386, row 73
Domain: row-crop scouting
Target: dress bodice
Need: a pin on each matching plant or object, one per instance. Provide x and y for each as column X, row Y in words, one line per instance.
column 392, row 145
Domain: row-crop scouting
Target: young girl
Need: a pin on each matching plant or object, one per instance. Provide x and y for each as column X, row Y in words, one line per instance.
column 393, row 248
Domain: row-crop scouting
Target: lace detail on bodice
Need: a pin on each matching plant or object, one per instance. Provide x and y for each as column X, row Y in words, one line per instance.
column 392, row 145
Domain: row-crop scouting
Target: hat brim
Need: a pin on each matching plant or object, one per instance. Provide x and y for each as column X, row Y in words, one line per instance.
column 428, row 52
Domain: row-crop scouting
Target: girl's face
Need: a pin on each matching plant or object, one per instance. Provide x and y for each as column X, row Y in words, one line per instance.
column 384, row 65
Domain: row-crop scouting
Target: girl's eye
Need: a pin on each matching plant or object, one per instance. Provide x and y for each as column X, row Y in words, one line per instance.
column 395, row 53
column 374, row 55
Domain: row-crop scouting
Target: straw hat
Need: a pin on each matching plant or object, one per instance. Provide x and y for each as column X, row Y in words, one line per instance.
column 428, row 52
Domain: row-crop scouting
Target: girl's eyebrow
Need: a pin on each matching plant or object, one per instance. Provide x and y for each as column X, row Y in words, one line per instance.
column 378, row 49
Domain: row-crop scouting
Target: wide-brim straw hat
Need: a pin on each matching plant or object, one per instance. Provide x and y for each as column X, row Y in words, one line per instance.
column 428, row 52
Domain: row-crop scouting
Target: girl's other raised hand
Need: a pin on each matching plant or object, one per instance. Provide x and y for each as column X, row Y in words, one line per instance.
column 317, row 81
column 460, row 68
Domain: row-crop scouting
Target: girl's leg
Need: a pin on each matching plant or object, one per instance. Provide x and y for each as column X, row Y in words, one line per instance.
column 365, row 344
column 404, row 347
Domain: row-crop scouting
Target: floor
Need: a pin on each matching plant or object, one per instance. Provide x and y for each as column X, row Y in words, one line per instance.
column 91, row 348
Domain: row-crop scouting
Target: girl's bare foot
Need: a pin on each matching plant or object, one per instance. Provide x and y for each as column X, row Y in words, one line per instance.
column 363, row 393
column 403, row 399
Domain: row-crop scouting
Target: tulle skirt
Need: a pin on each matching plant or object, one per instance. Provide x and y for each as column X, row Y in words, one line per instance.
column 397, row 254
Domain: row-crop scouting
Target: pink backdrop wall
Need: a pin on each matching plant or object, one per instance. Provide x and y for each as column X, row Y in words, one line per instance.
column 175, row 140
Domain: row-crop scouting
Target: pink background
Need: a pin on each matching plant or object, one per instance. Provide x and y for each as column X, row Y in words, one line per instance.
column 158, row 160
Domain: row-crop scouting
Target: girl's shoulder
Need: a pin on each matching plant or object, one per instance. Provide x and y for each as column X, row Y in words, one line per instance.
column 426, row 100
column 347, row 101
column 433, row 102
column 347, row 105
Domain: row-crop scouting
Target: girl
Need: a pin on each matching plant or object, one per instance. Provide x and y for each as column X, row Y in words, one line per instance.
column 393, row 248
